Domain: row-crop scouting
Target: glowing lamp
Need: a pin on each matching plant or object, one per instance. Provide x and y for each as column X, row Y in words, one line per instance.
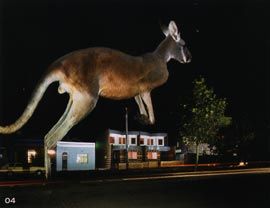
column 51, row 152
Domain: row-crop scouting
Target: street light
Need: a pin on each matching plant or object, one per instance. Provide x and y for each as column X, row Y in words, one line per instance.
column 51, row 152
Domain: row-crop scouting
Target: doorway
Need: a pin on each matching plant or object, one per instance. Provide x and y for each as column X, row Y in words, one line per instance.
column 64, row 161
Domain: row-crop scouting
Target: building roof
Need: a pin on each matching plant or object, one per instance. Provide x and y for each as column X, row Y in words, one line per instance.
column 123, row 132
column 75, row 144
column 137, row 133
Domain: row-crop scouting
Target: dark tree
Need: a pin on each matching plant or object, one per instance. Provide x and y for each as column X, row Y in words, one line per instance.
column 237, row 140
column 203, row 116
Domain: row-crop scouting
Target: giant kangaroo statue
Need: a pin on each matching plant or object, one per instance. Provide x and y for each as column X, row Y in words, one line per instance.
column 89, row 73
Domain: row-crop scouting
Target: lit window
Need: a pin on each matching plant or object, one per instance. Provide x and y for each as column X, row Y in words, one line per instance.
column 31, row 154
column 150, row 142
column 82, row 158
column 132, row 155
column 142, row 141
column 133, row 140
column 111, row 140
column 122, row 140
column 152, row 155
column 160, row 142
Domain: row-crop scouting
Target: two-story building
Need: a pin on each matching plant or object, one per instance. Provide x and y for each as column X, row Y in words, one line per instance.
column 142, row 149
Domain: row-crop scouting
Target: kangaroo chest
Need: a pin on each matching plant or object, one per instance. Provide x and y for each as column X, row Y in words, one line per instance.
column 154, row 79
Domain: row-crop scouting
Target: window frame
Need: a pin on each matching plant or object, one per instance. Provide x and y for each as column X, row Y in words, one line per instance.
column 112, row 140
column 78, row 160
column 133, row 139
column 122, row 140
column 132, row 155
column 152, row 156
column 162, row 142
column 150, row 141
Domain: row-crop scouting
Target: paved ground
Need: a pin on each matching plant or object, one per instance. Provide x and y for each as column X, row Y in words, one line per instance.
column 240, row 190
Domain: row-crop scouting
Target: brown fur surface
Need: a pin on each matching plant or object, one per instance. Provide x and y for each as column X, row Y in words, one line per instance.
column 110, row 73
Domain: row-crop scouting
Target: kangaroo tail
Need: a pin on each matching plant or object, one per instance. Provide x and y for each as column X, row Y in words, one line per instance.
column 36, row 97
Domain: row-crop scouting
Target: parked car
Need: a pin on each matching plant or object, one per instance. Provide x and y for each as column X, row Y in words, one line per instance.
column 14, row 168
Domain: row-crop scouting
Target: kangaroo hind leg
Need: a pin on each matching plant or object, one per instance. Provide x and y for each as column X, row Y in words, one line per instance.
column 139, row 102
column 142, row 100
column 146, row 97
column 79, row 106
column 62, row 117
column 143, row 116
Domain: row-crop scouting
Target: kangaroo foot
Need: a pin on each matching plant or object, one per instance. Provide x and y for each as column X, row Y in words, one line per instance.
column 143, row 119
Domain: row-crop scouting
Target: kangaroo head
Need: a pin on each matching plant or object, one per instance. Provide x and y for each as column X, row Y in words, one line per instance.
column 178, row 49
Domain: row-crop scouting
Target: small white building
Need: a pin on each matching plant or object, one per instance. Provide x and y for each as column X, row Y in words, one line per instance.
column 75, row 156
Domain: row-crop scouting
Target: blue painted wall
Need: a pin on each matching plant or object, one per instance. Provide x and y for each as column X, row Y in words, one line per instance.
column 72, row 149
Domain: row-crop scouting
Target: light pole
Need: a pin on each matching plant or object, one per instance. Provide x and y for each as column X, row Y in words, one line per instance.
column 126, row 137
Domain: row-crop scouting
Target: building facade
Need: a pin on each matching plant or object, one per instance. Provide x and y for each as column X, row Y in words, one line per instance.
column 75, row 156
column 21, row 150
column 142, row 149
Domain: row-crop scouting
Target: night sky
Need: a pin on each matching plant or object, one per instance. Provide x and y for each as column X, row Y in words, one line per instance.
column 229, row 42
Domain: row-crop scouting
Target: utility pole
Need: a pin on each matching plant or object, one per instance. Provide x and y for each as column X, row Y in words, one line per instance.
column 126, row 137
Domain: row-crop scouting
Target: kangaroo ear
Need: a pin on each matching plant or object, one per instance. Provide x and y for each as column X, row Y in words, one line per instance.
column 173, row 30
column 164, row 29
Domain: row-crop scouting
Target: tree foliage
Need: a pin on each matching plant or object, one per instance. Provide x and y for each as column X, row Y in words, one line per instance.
column 204, row 115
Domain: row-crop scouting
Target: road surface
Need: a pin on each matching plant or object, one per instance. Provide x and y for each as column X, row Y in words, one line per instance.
column 238, row 188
